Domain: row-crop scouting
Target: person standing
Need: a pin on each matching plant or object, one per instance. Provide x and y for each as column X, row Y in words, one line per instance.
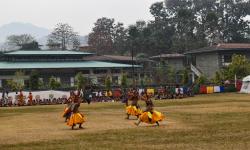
column 30, row 98
column 6, row 98
column 2, row 100
column 21, row 99
column 16, row 99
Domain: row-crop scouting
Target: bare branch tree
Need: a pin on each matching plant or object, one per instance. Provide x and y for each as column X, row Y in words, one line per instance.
column 64, row 35
column 19, row 40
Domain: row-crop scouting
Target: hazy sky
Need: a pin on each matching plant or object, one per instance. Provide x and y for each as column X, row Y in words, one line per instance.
column 81, row 14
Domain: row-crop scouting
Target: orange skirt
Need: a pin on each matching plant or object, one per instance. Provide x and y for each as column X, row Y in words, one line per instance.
column 76, row 118
column 132, row 110
column 147, row 117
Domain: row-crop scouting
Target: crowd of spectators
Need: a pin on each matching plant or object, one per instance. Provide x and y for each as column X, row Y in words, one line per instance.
column 90, row 95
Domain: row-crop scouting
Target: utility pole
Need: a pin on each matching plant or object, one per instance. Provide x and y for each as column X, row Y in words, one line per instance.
column 133, row 66
column 133, row 33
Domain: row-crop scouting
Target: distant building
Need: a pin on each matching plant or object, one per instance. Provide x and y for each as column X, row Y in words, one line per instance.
column 175, row 61
column 208, row 60
column 140, row 72
column 63, row 65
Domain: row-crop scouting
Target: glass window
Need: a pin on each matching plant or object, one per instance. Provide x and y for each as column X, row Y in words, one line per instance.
column 115, row 71
column 226, row 59
column 72, row 81
column 100, row 71
column 58, row 79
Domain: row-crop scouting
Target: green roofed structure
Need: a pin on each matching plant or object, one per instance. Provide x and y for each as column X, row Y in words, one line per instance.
column 47, row 52
column 62, row 64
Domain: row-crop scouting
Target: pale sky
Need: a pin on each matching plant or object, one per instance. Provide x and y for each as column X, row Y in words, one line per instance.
column 80, row 14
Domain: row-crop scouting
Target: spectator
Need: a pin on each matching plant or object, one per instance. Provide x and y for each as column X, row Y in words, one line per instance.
column 30, row 98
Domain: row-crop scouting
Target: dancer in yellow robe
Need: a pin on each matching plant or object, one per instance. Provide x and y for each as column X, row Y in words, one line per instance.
column 150, row 115
column 133, row 109
column 76, row 117
column 67, row 108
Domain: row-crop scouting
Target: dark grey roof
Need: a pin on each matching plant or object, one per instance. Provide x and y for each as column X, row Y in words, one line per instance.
column 222, row 47
column 175, row 55
column 114, row 58
column 46, row 52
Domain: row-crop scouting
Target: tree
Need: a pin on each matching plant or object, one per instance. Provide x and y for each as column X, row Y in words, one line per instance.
column 30, row 46
column 218, row 78
column 124, row 81
column 101, row 36
column 162, row 31
column 164, row 74
column 17, row 83
column 80, row 81
column 201, row 80
column 53, row 45
column 76, row 43
column 209, row 21
column 53, row 83
column 185, row 77
column 108, row 83
column 147, row 80
column 240, row 66
column 178, row 26
column 120, row 38
column 183, row 18
column 158, row 11
column 232, row 24
column 22, row 41
column 171, row 74
column 108, row 37
column 160, row 74
column 34, row 80
column 63, row 35
column 154, row 37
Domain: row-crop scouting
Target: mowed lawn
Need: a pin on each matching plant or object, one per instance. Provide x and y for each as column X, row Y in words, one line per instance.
column 207, row 122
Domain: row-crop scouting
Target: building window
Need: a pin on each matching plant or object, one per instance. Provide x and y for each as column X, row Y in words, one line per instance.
column 72, row 81
column 226, row 60
column 115, row 80
column 85, row 71
column 100, row 71
column 101, row 80
column 58, row 79
column 115, row 71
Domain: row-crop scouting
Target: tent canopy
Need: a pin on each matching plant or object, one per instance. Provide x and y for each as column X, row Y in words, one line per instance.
column 246, row 79
column 245, row 85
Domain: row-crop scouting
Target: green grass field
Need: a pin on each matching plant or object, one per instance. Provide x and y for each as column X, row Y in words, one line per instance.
column 207, row 122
